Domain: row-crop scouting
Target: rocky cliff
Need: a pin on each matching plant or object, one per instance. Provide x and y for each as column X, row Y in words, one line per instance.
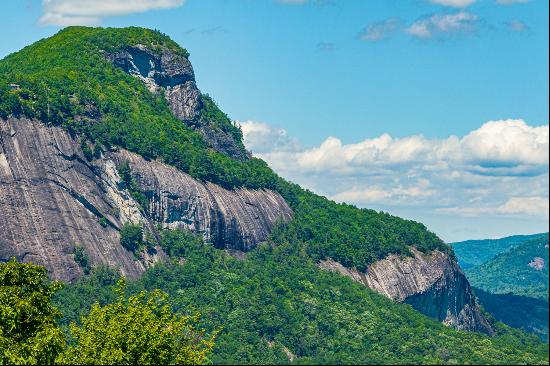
column 166, row 72
column 52, row 199
column 433, row 284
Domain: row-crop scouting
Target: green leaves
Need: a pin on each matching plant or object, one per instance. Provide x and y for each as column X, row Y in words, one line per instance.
column 140, row 330
column 131, row 237
column 28, row 330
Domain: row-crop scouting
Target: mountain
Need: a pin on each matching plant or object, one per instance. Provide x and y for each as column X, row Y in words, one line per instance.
column 111, row 156
column 511, row 279
column 523, row 270
column 522, row 312
column 472, row 253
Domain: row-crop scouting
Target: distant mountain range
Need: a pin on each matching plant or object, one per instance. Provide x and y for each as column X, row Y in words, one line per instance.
column 510, row 277
column 471, row 253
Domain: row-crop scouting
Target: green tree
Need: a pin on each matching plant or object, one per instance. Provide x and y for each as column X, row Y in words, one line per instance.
column 28, row 330
column 139, row 330
column 131, row 237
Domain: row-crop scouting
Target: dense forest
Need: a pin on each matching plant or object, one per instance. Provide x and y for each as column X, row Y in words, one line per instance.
column 274, row 306
column 471, row 253
column 517, row 271
column 523, row 312
column 509, row 284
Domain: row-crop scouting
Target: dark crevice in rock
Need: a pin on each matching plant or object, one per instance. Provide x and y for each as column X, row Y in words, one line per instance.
column 85, row 203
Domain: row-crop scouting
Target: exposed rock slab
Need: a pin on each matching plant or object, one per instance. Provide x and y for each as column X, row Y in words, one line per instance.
column 433, row 284
column 233, row 219
column 166, row 71
column 52, row 199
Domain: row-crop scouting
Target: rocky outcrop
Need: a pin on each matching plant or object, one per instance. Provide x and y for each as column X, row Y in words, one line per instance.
column 164, row 70
column 433, row 284
column 52, row 199
column 236, row 219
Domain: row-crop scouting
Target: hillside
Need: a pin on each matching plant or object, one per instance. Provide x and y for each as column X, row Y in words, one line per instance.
column 472, row 253
column 523, row 270
column 276, row 306
column 522, row 312
column 113, row 162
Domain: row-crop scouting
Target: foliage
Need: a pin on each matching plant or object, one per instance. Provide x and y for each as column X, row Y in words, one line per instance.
column 471, row 253
column 77, row 299
column 520, row 312
column 131, row 237
column 178, row 243
column 510, row 272
column 140, row 330
column 212, row 115
column 82, row 259
column 28, row 330
column 277, row 305
column 354, row 237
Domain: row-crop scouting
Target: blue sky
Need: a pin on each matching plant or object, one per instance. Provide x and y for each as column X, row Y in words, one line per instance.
column 301, row 75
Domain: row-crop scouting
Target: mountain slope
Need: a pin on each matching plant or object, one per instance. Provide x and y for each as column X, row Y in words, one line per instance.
column 523, row 312
column 523, row 270
column 472, row 253
column 109, row 129
column 275, row 306
column 82, row 85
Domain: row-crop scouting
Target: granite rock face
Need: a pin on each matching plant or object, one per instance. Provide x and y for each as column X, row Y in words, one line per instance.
column 170, row 73
column 52, row 199
column 241, row 218
column 433, row 284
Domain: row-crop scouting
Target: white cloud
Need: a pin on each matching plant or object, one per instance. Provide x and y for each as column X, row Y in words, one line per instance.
column 380, row 30
column 90, row 12
column 454, row 3
column 440, row 25
column 536, row 206
column 501, row 168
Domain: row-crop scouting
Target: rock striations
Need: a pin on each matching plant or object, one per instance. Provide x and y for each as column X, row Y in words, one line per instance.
column 172, row 74
column 433, row 284
column 52, row 199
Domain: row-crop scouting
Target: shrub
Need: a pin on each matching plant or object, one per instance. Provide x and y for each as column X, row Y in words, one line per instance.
column 131, row 237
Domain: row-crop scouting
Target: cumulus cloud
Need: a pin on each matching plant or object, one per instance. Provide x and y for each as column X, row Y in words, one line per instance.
column 381, row 30
column 501, row 168
column 440, row 25
column 454, row 3
column 91, row 12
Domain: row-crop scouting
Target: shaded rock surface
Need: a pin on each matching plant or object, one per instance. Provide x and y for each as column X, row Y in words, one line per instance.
column 52, row 199
column 433, row 284
column 173, row 74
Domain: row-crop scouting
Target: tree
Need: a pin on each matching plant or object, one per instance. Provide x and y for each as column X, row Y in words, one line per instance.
column 137, row 331
column 28, row 330
column 131, row 237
